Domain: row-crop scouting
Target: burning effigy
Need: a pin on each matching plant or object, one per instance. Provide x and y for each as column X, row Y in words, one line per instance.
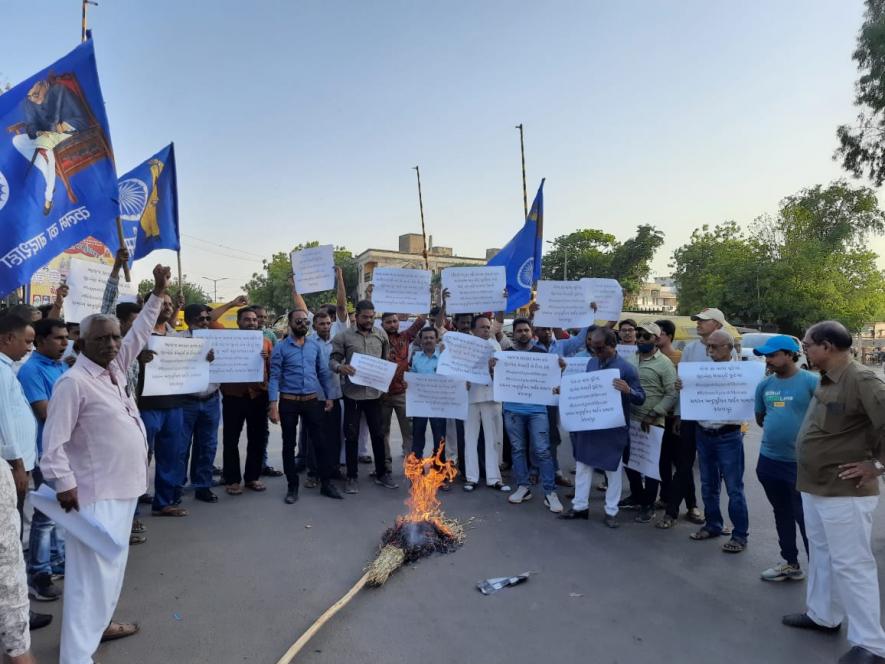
column 425, row 530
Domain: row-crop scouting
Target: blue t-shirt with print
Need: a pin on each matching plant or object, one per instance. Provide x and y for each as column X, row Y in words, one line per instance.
column 784, row 402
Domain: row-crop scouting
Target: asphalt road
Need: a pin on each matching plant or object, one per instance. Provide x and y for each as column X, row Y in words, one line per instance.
column 240, row 580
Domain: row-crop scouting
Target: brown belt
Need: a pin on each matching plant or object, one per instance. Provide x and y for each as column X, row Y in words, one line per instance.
column 298, row 397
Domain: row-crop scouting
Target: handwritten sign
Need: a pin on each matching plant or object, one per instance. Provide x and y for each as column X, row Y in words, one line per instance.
column 575, row 365
column 179, row 366
column 719, row 391
column 466, row 357
column 645, row 450
column 432, row 395
column 86, row 281
column 563, row 304
column 523, row 377
column 401, row 291
column 372, row 371
column 314, row 269
column 588, row 401
column 473, row 289
column 608, row 296
column 627, row 351
column 237, row 355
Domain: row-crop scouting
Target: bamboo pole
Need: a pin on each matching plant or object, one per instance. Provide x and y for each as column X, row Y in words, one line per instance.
column 421, row 208
column 525, row 193
column 126, row 274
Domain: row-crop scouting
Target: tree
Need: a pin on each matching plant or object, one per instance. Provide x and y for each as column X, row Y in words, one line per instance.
column 193, row 294
column 273, row 289
column 861, row 148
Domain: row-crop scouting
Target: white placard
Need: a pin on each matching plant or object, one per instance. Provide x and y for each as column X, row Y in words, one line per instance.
column 719, row 391
column 372, row 371
column 608, row 296
column 466, row 357
column 575, row 365
column 588, row 401
column 179, row 366
column 626, row 351
column 87, row 281
column 401, row 291
column 524, row 377
column 563, row 304
column 237, row 355
column 314, row 269
column 432, row 395
column 473, row 289
column 645, row 449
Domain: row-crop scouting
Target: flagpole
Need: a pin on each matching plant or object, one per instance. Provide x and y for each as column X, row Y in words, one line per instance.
column 180, row 282
column 126, row 274
column 83, row 29
column 525, row 195
column 421, row 208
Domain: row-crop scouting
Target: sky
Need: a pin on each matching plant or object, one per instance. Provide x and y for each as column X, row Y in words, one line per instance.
column 298, row 121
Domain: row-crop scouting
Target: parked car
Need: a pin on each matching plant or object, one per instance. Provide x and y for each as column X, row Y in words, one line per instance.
column 753, row 340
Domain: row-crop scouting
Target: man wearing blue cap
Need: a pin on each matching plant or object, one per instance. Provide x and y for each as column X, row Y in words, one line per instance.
column 782, row 400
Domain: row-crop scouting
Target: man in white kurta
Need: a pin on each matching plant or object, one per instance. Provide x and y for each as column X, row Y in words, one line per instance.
column 95, row 457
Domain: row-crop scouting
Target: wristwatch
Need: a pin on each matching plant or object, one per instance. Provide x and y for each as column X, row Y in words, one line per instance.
column 880, row 467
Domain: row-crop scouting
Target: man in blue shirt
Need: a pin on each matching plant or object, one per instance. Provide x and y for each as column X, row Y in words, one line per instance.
column 300, row 381
column 782, row 399
column 425, row 363
column 37, row 377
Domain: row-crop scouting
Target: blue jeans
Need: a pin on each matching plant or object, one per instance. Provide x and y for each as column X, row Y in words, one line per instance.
column 530, row 429
column 164, row 428
column 200, row 431
column 721, row 457
column 46, row 543
column 419, row 428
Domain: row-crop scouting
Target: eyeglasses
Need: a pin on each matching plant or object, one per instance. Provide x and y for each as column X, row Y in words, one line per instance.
column 644, row 335
column 204, row 318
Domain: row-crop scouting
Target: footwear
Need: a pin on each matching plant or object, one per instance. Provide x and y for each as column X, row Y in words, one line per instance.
column 117, row 630
column 611, row 521
column 42, row 589
column 364, row 459
column 469, row 486
column 726, row 530
column 660, row 504
column 562, row 480
column 270, row 471
column 170, row 510
column 255, row 485
column 522, row 494
column 665, row 522
column 137, row 527
column 311, row 483
column 802, row 621
column 500, row 486
column 551, row 501
column 703, row 534
column 145, row 499
column 291, row 497
column 386, row 481
column 734, row 545
column 351, row 485
column 629, row 503
column 783, row 572
column 858, row 655
column 329, row 490
column 136, row 539
column 38, row 620
column 47, row 206
column 602, row 486
column 694, row 516
column 646, row 514
column 205, row 495
column 234, row 489
column 572, row 514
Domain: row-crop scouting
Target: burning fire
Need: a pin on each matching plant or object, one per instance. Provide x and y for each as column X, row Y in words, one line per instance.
column 427, row 476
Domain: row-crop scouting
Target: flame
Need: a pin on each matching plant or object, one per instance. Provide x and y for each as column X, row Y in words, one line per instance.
column 427, row 475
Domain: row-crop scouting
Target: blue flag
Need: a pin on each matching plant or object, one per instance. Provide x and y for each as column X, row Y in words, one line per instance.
column 148, row 207
column 58, row 183
column 522, row 256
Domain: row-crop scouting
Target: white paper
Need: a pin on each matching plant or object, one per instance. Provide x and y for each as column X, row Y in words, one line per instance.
column 588, row 401
column 575, row 365
column 77, row 524
column 179, row 366
column 372, row 371
column 465, row 356
column 473, row 289
column 524, row 377
column 432, row 395
column 719, row 391
column 86, row 283
column 645, row 449
column 627, row 351
column 314, row 269
column 401, row 291
column 608, row 296
column 563, row 304
column 237, row 355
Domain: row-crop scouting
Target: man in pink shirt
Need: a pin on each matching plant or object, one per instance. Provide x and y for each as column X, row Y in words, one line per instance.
column 95, row 456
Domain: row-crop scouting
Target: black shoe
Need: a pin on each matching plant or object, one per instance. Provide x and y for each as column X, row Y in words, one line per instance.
column 575, row 514
column 205, row 495
column 802, row 621
column 365, row 459
column 646, row 514
column 42, row 589
column 291, row 497
column 611, row 521
column 329, row 490
column 386, row 481
column 858, row 655
column 270, row 471
column 38, row 620
column 145, row 499
column 629, row 503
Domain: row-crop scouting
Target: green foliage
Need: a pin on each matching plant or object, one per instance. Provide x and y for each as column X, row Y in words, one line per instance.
column 193, row 294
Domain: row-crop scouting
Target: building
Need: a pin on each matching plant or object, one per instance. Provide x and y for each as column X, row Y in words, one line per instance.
column 658, row 296
column 410, row 255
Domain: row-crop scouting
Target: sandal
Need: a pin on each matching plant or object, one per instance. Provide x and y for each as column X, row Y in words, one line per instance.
column 137, row 527
column 666, row 522
column 733, row 546
column 233, row 489
column 116, row 631
column 137, row 539
column 703, row 534
column 256, row 486
column 170, row 510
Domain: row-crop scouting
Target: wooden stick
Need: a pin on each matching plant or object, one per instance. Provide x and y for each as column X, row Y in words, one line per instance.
column 180, row 282
column 126, row 274
column 322, row 620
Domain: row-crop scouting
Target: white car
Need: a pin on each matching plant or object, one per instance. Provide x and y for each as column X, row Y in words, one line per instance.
column 751, row 340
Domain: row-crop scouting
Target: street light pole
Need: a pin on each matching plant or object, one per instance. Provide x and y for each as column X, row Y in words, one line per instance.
column 215, row 286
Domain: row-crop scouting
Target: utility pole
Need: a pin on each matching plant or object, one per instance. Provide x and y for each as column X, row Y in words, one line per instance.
column 525, row 194
column 215, row 286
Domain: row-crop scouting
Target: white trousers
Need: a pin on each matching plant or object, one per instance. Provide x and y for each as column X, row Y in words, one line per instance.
column 93, row 584
column 584, row 485
column 452, row 435
column 26, row 147
column 488, row 413
column 843, row 580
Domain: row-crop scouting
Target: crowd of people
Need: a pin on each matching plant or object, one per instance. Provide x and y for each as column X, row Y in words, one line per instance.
column 73, row 416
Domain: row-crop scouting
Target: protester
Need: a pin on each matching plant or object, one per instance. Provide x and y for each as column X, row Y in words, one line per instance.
column 671, row 443
column 839, row 465
column 95, row 457
column 604, row 448
column 627, row 332
column 424, row 362
column 359, row 400
column 782, row 400
column 333, row 420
